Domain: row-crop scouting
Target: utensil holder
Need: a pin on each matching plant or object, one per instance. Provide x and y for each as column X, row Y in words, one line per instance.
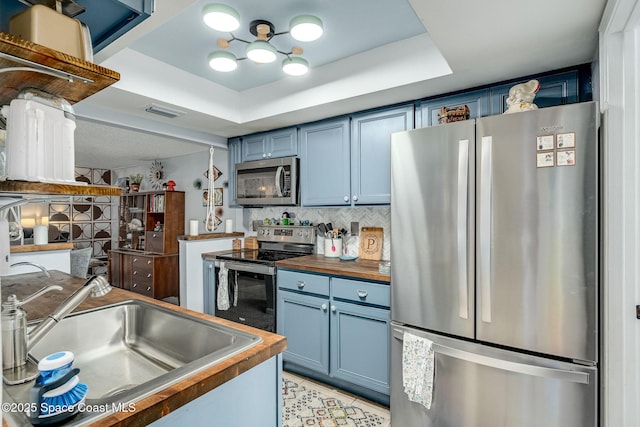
column 332, row 247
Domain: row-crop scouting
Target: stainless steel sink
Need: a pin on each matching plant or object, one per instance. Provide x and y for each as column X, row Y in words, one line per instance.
column 133, row 349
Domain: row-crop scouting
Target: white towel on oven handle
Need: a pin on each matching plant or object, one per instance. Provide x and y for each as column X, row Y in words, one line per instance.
column 418, row 366
column 222, row 297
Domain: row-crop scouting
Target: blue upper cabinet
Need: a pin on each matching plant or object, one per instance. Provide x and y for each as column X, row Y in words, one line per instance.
column 235, row 156
column 325, row 163
column 370, row 153
column 555, row 89
column 279, row 143
column 477, row 101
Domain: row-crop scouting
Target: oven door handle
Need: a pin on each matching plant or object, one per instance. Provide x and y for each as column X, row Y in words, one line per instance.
column 248, row 267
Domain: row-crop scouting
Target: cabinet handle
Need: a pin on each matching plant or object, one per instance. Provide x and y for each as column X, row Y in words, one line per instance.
column 355, row 198
column 264, row 155
column 362, row 294
column 333, row 308
column 134, row 285
column 154, row 235
column 149, row 275
column 300, row 284
column 148, row 288
column 149, row 262
column 135, row 272
column 268, row 154
column 324, row 307
column 135, row 260
column 346, row 199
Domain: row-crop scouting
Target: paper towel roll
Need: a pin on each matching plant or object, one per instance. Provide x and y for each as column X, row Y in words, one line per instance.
column 193, row 227
column 228, row 226
column 40, row 235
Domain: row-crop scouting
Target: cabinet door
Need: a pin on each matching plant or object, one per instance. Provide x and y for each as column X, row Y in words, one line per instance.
column 371, row 155
column 282, row 143
column 360, row 345
column 556, row 89
column 253, row 147
column 477, row 101
column 115, row 269
column 235, row 156
column 304, row 320
column 325, row 163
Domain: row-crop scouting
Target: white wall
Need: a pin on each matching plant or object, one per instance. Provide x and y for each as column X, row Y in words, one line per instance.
column 620, row 104
column 184, row 170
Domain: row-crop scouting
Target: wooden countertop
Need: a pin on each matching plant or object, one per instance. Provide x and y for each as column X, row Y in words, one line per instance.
column 360, row 268
column 174, row 396
column 206, row 236
column 15, row 249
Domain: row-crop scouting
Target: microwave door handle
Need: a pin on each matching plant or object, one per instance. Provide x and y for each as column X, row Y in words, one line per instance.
column 278, row 177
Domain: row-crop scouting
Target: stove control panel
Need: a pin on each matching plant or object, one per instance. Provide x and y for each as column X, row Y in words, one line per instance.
column 287, row 233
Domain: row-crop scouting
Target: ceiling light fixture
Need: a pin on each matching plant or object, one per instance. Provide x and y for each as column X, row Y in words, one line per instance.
column 303, row 28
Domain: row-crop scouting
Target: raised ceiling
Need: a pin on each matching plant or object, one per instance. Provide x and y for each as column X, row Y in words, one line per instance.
column 373, row 53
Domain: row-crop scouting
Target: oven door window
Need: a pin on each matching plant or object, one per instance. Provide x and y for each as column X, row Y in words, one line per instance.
column 254, row 297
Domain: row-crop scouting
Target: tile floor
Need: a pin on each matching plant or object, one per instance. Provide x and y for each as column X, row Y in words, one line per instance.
column 347, row 399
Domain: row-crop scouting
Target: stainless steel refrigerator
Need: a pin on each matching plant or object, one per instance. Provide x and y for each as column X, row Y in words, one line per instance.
column 494, row 251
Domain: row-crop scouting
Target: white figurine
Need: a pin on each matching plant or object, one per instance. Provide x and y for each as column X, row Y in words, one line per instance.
column 521, row 97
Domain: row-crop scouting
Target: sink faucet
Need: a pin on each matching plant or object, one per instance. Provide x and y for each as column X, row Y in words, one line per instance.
column 33, row 264
column 16, row 343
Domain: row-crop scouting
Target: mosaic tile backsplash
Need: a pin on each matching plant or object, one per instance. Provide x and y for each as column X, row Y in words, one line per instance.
column 338, row 217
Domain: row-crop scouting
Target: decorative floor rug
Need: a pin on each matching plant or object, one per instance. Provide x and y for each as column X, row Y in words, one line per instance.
column 306, row 406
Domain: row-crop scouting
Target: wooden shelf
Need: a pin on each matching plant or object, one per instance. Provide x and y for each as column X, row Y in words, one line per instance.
column 41, row 188
column 14, row 81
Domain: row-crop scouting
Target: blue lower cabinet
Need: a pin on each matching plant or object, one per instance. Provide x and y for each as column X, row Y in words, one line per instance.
column 337, row 329
column 304, row 320
column 360, row 345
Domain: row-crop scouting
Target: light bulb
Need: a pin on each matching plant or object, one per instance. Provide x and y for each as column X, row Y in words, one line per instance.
column 295, row 66
column 223, row 61
column 306, row 28
column 261, row 52
column 221, row 17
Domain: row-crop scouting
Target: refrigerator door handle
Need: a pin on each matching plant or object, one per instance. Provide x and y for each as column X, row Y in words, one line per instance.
column 486, row 184
column 463, row 185
column 506, row 365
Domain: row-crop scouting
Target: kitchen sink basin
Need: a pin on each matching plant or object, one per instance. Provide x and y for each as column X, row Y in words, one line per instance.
column 130, row 350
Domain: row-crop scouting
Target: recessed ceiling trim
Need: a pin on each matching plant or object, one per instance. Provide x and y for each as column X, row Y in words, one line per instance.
column 163, row 111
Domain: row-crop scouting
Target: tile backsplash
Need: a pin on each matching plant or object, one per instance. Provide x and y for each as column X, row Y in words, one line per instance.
column 338, row 217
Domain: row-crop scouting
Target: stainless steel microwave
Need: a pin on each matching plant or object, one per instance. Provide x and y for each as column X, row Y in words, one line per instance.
column 268, row 182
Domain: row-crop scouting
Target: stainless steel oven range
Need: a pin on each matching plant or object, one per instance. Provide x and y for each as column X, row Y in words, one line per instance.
column 251, row 275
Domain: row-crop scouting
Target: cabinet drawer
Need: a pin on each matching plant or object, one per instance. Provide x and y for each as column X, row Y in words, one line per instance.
column 142, row 288
column 359, row 291
column 141, row 261
column 142, row 275
column 153, row 241
column 305, row 282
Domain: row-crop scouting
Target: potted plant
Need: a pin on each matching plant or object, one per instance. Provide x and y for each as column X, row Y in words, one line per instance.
column 135, row 182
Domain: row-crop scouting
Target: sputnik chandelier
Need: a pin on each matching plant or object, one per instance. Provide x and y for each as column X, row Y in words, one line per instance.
column 224, row 18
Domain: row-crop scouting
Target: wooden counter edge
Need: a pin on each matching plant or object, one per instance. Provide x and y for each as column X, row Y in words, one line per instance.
column 174, row 396
column 16, row 249
column 207, row 236
column 359, row 269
